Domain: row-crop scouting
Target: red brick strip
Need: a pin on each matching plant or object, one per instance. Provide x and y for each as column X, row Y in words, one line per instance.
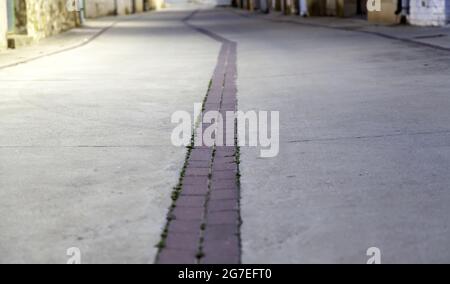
column 204, row 222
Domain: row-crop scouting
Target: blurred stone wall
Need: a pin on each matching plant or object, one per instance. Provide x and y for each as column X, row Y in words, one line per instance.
column 99, row 8
column 20, row 9
column 49, row 17
column 124, row 7
column 429, row 12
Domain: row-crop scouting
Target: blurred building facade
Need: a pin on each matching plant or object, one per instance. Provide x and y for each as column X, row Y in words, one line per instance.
column 429, row 13
column 25, row 21
column 3, row 25
column 100, row 8
column 415, row 12
column 313, row 8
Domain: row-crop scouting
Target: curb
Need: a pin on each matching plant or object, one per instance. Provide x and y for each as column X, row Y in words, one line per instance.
column 75, row 46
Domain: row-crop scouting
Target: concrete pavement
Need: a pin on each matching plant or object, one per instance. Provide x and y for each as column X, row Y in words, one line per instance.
column 86, row 157
column 364, row 155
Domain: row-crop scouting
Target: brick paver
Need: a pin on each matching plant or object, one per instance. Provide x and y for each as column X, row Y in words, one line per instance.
column 204, row 224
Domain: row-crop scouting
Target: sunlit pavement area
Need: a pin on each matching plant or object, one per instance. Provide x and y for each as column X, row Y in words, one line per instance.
column 86, row 158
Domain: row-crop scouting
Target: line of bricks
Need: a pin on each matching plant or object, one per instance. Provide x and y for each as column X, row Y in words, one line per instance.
column 204, row 224
column 221, row 240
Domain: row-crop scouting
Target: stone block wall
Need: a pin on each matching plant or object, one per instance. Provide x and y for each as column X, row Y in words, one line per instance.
column 429, row 12
column 42, row 18
column 124, row 7
column 99, row 8
column 49, row 17
column 21, row 16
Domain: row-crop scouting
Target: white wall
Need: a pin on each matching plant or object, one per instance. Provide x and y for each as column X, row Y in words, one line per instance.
column 124, row 7
column 3, row 25
column 99, row 8
column 429, row 12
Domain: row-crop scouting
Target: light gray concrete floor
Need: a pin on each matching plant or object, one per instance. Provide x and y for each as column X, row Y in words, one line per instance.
column 85, row 153
column 365, row 145
column 86, row 159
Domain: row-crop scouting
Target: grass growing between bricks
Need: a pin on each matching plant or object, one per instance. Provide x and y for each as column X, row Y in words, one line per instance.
column 238, row 182
column 200, row 253
column 194, row 237
column 178, row 188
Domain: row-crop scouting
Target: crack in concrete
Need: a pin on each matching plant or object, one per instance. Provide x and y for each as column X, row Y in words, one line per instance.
column 369, row 136
column 79, row 146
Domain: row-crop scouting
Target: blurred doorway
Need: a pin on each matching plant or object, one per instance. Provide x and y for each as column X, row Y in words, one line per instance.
column 11, row 16
column 361, row 8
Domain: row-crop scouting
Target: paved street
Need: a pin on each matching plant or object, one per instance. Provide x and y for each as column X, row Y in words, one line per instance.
column 86, row 159
column 365, row 146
